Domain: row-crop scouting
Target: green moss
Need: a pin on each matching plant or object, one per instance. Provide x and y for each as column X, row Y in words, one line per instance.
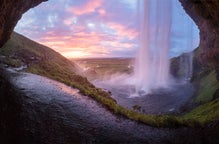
column 198, row 117
column 207, row 87
column 202, row 115
column 136, row 107
column 12, row 62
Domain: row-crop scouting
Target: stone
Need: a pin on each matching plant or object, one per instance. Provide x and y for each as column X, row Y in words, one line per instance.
column 10, row 12
column 205, row 14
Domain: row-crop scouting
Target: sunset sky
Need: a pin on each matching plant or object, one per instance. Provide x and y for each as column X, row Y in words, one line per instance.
column 97, row 28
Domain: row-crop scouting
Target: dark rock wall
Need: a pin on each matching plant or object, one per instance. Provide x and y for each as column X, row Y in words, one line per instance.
column 205, row 13
column 10, row 110
column 10, row 12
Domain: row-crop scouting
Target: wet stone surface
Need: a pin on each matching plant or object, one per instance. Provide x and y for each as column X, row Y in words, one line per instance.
column 51, row 112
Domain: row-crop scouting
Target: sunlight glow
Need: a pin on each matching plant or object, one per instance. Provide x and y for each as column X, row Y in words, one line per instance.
column 76, row 54
column 92, row 27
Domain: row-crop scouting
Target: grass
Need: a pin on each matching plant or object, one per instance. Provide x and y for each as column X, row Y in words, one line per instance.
column 205, row 80
column 45, row 62
column 208, row 85
column 202, row 115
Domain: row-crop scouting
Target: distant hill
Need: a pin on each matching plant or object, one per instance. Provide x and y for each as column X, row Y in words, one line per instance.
column 20, row 50
column 39, row 59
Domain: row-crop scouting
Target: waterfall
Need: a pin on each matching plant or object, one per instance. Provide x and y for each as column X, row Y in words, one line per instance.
column 186, row 66
column 152, row 60
column 186, row 59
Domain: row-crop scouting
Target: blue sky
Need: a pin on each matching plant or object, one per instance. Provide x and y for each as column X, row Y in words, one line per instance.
column 100, row 28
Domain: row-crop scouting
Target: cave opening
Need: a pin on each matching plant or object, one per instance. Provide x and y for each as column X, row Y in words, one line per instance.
column 34, row 130
column 99, row 31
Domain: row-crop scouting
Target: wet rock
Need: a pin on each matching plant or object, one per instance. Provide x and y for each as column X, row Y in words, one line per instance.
column 206, row 15
column 11, row 11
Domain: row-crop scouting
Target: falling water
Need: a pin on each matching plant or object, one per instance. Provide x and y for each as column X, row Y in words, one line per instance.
column 185, row 66
column 152, row 61
column 186, row 59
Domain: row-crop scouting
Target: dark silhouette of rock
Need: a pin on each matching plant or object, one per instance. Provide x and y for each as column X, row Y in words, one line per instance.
column 10, row 12
column 205, row 13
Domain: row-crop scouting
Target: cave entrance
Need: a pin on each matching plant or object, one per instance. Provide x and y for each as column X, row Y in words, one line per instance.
column 100, row 28
column 112, row 32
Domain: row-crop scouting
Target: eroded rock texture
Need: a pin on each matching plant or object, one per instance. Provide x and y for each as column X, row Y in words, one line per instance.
column 10, row 12
column 205, row 13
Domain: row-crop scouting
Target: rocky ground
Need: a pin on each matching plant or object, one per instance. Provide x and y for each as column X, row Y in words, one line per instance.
column 46, row 111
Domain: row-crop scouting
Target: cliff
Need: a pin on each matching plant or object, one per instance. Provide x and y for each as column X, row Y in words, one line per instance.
column 205, row 13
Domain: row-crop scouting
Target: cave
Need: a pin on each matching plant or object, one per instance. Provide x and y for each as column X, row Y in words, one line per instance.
column 203, row 12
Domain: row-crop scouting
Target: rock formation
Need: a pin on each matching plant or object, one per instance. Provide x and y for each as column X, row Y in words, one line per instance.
column 205, row 13
column 10, row 12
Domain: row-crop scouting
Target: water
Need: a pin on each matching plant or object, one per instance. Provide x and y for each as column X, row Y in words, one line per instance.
column 152, row 61
column 159, row 101
column 186, row 59
column 160, row 36
column 186, row 66
column 46, row 111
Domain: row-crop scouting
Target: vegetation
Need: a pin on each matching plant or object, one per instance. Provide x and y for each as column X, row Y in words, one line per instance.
column 207, row 87
column 205, row 81
column 202, row 115
column 46, row 62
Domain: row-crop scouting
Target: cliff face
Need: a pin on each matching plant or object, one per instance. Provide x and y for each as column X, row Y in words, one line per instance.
column 205, row 13
column 10, row 12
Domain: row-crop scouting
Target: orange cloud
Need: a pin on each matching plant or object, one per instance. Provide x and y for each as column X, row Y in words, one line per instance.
column 78, row 45
column 89, row 7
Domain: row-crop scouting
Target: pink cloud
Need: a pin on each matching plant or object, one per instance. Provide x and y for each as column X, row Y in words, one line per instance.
column 119, row 45
column 80, row 44
column 102, row 12
column 123, row 31
column 68, row 22
column 89, row 7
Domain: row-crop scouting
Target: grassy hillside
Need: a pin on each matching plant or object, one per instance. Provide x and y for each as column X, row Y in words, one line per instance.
column 43, row 61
